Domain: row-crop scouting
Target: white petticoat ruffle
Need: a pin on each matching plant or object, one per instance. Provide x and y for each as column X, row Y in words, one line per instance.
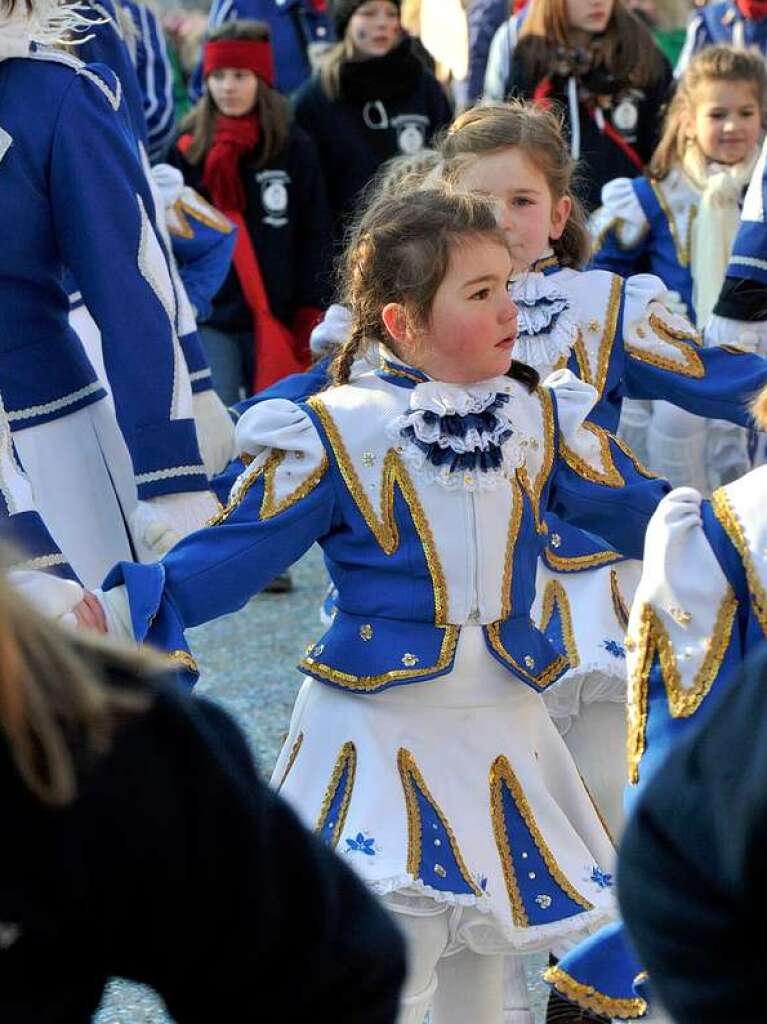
column 547, row 330
column 444, row 400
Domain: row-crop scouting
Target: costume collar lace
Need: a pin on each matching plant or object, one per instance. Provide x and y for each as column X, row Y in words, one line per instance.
column 547, row 329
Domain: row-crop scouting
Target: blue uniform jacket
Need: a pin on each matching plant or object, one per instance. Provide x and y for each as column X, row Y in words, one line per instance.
column 720, row 24
column 155, row 77
column 73, row 194
column 326, row 470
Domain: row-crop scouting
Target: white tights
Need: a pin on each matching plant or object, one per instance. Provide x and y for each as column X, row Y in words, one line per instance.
column 464, row 986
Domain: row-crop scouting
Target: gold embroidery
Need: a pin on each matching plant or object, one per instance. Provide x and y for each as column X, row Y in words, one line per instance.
column 269, row 506
column 411, row 778
column 534, row 489
column 346, row 761
column 654, row 641
column 599, row 377
column 609, row 475
column 682, row 250
column 369, row 684
column 619, row 605
column 384, row 528
column 576, row 563
column 501, row 773
column 615, row 226
column 555, row 596
column 691, row 364
column 588, row 998
column 728, row 518
column 207, row 215
column 512, row 535
column 184, row 658
column 544, row 264
column 291, row 759
column 543, row 679
column 661, row 328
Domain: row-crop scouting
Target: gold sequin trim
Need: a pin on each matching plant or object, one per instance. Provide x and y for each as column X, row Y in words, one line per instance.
column 691, row 364
column 619, row 605
column 598, row 378
column 206, row 214
column 384, row 527
column 369, row 684
column 512, row 535
column 555, row 596
column 400, row 371
column 683, row 701
column 184, row 658
column 543, row 679
column 411, row 778
column 728, row 519
column 615, row 226
column 534, row 488
column 544, row 264
column 683, row 250
column 638, row 466
column 577, row 563
column 270, row 507
column 588, row 998
column 291, row 760
column 501, row 773
column 668, row 333
column 347, row 759
column 608, row 474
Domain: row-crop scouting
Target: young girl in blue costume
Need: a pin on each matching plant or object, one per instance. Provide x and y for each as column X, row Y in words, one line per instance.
column 619, row 336
column 419, row 746
column 680, row 220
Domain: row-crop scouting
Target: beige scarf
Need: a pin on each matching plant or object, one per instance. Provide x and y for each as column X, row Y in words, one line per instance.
column 714, row 229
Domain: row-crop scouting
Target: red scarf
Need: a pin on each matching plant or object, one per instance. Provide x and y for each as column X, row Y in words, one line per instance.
column 277, row 353
column 755, row 10
column 233, row 138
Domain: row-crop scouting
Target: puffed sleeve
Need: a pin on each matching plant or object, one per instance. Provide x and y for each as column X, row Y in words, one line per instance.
column 102, row 208
column 682, row 634
column 619, row 229
column 664, row 358
column 597, row 483
column 278, row 507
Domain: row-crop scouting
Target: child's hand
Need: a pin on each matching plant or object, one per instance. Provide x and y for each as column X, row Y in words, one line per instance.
column 90, row 614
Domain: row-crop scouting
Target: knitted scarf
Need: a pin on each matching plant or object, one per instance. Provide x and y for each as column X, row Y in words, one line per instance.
column 233, row 138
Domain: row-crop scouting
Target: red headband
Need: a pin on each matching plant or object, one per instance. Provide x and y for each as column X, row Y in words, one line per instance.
column 250, row 54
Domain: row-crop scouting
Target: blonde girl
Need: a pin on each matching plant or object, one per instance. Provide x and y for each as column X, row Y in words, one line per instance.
column 680, row 221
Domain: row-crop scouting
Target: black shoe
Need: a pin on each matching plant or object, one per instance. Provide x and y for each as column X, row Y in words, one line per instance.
column 281, row 584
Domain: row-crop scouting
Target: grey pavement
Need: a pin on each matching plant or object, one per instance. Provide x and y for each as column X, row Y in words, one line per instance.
column 247, row 664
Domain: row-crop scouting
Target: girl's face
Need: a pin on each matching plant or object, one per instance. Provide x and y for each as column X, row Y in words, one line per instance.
column 529, row 215
column 725, row 121
column 373, row 29
column 473, row 323
column 588, row 16
column 233, row 90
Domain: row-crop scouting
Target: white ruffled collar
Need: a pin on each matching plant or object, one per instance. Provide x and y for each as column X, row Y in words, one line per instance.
column 547, row 329
column 460, row 436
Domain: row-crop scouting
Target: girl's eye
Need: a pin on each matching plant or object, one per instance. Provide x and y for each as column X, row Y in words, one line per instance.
column 521, row 201
column 482, row 294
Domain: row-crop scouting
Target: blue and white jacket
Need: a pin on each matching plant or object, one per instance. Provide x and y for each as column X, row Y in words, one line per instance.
column 412, row 488
column 618, row 336
column 73, row 194
column 699, row 610
column 721, row 23
column 155, row 77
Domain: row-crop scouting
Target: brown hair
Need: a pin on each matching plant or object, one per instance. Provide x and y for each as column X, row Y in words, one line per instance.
column 626, row 49
column 57, row 693
column 272, row 109
column 714, row 64
column 490, row 129
column 400, row 252
column 759, row 409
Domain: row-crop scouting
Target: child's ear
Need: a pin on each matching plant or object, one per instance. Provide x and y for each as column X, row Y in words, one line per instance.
column 560, row 213
column 395, row 321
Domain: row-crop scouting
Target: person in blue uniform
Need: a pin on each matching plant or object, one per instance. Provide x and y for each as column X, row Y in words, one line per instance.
column 155, row 77
column 679, row 222
column 371, row 99
column 741, row 23
column 699, row 613
column 497, row 848
column 300, row 29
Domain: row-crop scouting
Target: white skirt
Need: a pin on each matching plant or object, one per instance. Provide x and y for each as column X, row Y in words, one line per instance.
column 455, row 791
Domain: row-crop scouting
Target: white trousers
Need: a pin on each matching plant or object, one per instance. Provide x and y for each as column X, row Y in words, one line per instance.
column 460, row 987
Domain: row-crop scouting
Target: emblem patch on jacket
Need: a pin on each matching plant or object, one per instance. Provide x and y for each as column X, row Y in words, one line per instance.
column 411, row 132
column 274, row 196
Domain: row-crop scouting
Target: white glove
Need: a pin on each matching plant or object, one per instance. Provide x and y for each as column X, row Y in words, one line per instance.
column 674, row 304
column 152, row 531
column 50, row 595
column 116, row 612
column 186, row 512
column 332, row 332
column 215, row 431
